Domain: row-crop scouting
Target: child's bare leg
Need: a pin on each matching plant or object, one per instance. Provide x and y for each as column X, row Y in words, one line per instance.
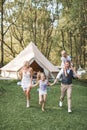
column 40, row 99
column 43, row 106
column 44, row 102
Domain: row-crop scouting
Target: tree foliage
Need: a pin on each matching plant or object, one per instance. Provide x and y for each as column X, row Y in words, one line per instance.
column 52, row 25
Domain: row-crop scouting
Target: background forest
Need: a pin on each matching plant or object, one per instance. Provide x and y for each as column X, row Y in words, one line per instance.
column 52, row 25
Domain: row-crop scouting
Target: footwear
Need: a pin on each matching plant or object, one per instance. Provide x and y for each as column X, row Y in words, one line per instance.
column 43, row 109
column 60, row 103
column 28, row 104
column 69, row 111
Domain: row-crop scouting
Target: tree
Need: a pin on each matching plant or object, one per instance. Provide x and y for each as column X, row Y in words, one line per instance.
column 73, row 22
column 2, row 33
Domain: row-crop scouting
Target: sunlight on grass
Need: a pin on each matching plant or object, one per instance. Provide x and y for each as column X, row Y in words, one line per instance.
column 15, row 116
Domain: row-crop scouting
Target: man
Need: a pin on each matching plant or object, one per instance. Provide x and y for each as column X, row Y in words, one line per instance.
column 67, row 74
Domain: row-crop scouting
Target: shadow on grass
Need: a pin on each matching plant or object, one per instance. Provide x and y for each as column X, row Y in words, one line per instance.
column 2, row 91
column 80, row 82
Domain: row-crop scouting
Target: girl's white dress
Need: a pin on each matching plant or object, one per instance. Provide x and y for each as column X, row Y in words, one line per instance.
column 25, row 83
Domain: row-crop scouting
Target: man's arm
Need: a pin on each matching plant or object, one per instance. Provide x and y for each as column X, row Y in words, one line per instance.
column 75, row 75
column 57, row 77
column 54, row 82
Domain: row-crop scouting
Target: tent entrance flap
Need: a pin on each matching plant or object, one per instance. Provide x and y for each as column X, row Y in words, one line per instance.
column 36, row 67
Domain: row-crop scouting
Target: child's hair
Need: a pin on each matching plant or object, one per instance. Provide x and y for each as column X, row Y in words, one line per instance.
column 26, row 64
column 43, row 74
column 39, row 75
column 63, row 52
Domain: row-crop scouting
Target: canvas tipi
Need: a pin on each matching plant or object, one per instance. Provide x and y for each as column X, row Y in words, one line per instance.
column 36, row 59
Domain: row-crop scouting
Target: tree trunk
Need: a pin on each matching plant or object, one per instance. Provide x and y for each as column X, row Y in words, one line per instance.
column 71, row 43
column 2, row 36
column 35, row 32
column 76, row 59
column 62, row 33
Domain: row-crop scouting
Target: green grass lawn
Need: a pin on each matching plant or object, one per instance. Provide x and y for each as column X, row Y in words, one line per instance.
column 15, row 116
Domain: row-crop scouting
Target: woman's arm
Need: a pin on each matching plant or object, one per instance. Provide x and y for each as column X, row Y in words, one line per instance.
column 36, row 84
column 20, row 74
column 31, row 75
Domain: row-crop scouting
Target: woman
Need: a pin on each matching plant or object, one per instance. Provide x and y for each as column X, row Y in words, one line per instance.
column 26, row 80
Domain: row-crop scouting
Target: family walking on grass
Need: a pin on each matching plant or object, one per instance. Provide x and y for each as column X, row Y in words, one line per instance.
column 66, row 74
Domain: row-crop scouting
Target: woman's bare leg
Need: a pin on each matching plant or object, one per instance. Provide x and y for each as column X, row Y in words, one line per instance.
column 27, row 93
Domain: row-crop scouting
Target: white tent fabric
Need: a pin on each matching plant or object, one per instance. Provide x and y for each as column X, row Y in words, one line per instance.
column 32, row 54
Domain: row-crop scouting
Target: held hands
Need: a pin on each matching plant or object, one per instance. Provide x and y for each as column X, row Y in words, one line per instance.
column 53, row 82
column 79, row 76
column 31, row 86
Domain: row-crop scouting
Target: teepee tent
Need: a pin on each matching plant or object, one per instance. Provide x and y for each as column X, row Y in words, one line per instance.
column 36, row 59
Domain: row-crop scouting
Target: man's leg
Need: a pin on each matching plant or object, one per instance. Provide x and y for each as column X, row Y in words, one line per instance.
column 69, row 93
column 63, row 91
